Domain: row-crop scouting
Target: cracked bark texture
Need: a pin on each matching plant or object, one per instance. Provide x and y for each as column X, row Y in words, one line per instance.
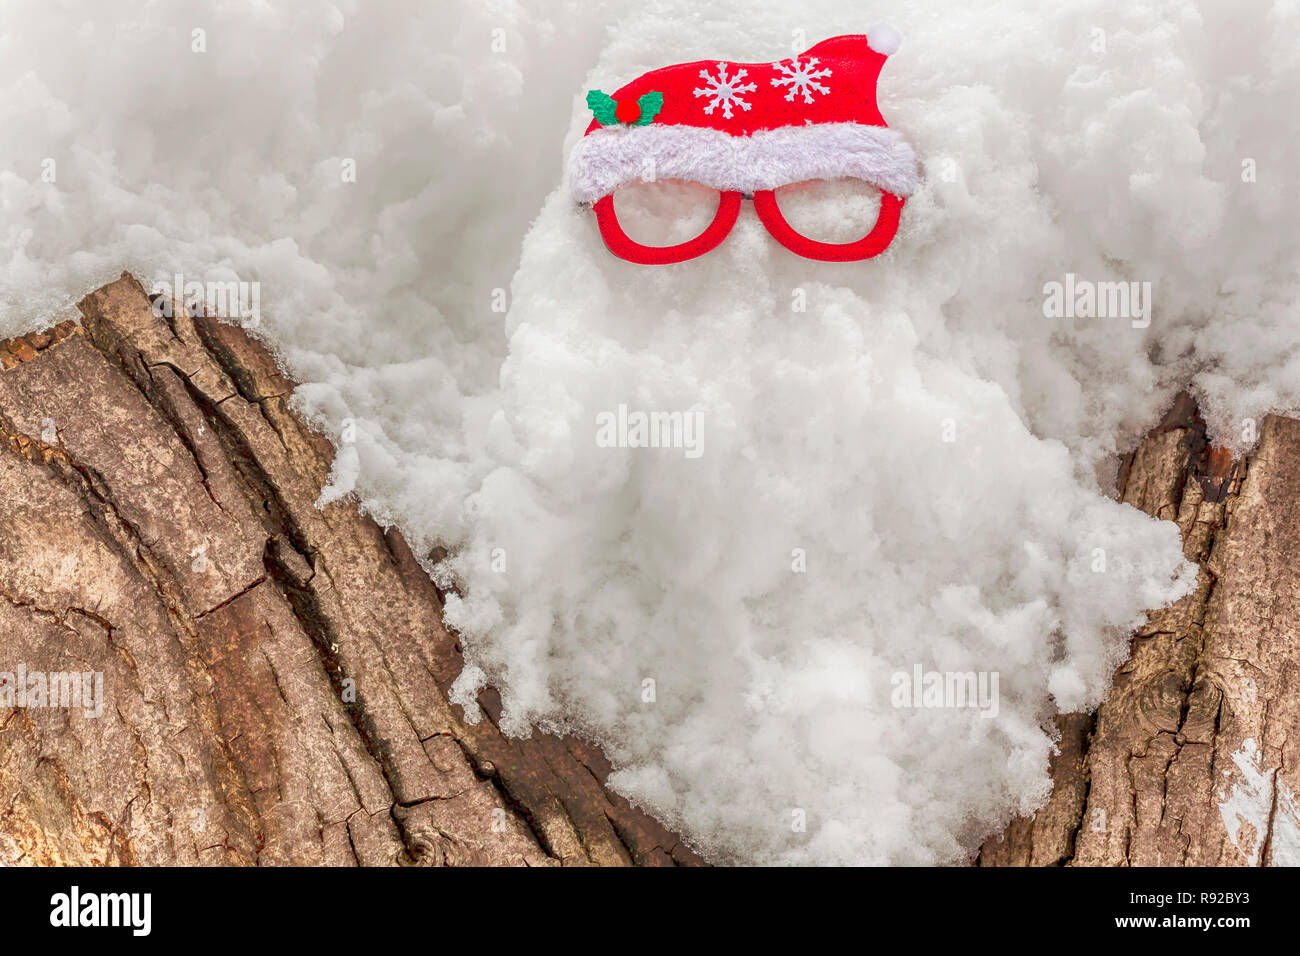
column 275, row 675
column 1211, row 678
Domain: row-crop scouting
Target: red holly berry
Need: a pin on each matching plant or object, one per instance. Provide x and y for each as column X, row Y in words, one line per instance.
column 628, row 111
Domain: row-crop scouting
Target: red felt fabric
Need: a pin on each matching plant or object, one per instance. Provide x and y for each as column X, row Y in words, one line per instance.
column 854, row 67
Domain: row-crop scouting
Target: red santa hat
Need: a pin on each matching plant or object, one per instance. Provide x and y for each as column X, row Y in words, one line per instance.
column 748, row 128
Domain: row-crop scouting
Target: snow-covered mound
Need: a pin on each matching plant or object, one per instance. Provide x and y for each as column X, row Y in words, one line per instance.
column 882, row 467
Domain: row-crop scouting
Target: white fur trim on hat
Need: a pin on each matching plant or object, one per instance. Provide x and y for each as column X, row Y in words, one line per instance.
column 607, row 158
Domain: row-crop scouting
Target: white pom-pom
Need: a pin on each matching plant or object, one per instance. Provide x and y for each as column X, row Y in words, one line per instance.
column 884, row 39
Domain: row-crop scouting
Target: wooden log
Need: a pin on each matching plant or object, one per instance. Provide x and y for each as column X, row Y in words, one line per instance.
column 1193, row 759
column 275, row 676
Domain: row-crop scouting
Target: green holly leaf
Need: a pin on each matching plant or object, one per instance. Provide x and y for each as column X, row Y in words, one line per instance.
column 651, row 104
column 602, row 107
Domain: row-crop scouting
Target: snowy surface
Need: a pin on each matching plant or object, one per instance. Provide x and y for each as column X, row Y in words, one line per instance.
column 903, row 473
column 1258, row 804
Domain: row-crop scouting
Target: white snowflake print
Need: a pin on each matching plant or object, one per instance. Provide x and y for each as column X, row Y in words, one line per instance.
column 725, row 90
column 801, row 78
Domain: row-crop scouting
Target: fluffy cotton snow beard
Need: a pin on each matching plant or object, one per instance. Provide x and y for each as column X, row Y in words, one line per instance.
column 1114, row 140
column 730, row 624
column 869, row 502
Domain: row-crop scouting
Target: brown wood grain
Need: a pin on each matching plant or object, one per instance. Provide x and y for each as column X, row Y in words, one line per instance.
column 1141, row 782
column 275, row 674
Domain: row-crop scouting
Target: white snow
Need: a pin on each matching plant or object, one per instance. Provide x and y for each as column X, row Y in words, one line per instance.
column 900, row 457
column 1260, row 808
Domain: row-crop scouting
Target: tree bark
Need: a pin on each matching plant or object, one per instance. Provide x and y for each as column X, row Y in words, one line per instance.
column 274, row 675
column 1192, row 760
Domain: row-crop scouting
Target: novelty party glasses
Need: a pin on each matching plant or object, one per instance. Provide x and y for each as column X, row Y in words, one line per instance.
column 746, row 130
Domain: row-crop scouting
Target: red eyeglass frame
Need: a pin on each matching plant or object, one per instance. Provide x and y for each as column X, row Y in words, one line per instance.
column 769, row 213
